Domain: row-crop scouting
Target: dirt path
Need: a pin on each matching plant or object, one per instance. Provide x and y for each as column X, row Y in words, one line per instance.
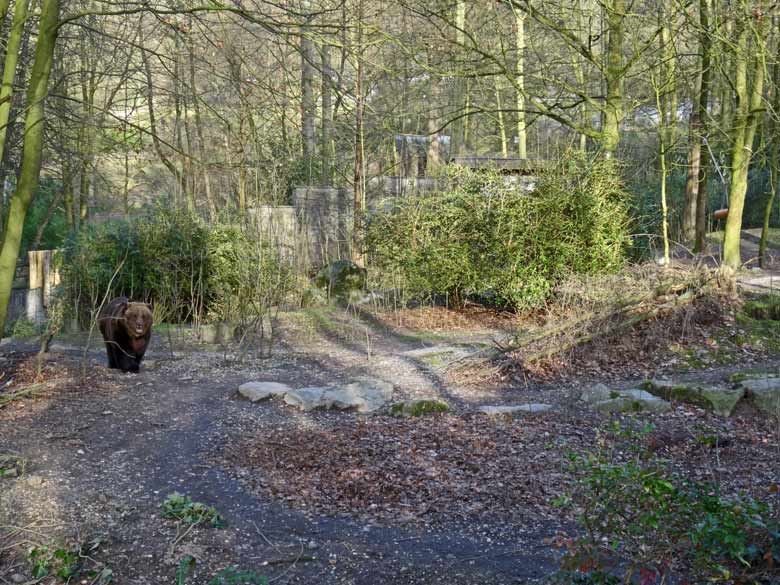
column 100, row 463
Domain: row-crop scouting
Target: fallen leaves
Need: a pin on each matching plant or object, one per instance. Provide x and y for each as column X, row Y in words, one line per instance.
column 428, row 470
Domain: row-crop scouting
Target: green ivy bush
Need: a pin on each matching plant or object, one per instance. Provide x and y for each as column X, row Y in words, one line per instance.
column 641, row 519
column 189, row 271
column 481, row 234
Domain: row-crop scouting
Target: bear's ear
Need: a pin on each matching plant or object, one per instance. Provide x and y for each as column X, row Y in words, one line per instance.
column 150, row 306
column 123, row 305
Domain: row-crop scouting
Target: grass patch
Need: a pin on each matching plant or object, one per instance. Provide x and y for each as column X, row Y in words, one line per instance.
column 760, row 320
column 766, row 307
column 12, row 465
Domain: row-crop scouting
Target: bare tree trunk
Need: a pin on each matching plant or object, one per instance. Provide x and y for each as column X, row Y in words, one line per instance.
column 666, row 102
column 522, row 139
column 457, row 142
column 747, row 55
column 153, row 125
column 580, row 68
column 501, row 122
column 702, row 101
column 774, row 152
column 212, row 208
column 9, row 70
column 182, row 129
column 308, row 104
column 613, row 110
column 357, row 231
column 67, row 195
column 692, row 181
column 326, row 146
column 87, row 131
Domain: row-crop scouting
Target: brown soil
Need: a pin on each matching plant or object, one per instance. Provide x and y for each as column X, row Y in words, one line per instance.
column 317, row 497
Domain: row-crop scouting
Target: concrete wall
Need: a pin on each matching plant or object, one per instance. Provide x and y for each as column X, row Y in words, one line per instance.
column 325, row 217
column 31, row 292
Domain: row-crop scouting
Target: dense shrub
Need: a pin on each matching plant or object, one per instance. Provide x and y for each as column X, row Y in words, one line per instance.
column 186, row 269
column 244, row 275
column 640, row 518
column 483, row 234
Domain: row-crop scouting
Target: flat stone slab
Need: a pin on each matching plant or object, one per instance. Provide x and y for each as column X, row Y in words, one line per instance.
column 256, row 391
column 597, row 393
column 511, row 410
column 633, row 401
column 363, row 395
column 305, row 399
column 606, row 400
column 437, row 355
column 720, row 400
column 764, row 394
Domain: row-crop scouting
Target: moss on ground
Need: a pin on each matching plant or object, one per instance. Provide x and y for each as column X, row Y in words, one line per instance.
column 419, row 408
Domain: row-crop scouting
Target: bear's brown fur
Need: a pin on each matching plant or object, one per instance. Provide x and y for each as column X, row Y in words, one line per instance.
column 126, row 329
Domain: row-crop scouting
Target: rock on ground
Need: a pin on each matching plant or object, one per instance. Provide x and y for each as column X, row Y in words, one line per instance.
column 597, row 393
column 363, row 395
column 438, row 355
column 306, row 399
column 764, row 394
column 256, row 391
column 715, row 398
column 513, row 409
column 606, row 400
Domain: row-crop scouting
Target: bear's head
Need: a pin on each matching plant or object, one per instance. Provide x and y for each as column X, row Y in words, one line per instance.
column 137, row 319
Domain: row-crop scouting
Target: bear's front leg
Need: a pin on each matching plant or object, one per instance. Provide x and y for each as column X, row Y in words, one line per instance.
column 110, row 353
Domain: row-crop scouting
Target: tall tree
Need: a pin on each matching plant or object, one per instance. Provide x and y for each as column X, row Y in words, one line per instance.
column 749, row 55
column 694, row 209
column 522, row 135
column 773, row 123
column 12, row 55
column 32, row 152
column 458, row 140
column 359, row 174
column 308, row 100
column 326, row 133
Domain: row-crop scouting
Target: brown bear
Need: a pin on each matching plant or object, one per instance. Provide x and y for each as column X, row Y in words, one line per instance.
column 126, row 329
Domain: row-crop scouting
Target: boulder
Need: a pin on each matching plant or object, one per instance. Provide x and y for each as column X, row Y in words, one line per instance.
column 341, row 279
column 305, row 399
column 256, row 391
column 718, row 399
column 511, row 410
column 364, row 395
column 764, row 394
column 597, row 393
column 633, row 401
